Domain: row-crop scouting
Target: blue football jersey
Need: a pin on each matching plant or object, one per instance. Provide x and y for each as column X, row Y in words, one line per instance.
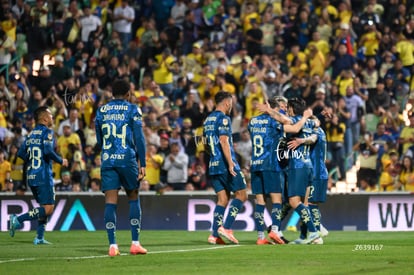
column 300, row 157
column 265, row 133
column 318, row 155
column 119, row 134
column 218, row 124
column 38, row 153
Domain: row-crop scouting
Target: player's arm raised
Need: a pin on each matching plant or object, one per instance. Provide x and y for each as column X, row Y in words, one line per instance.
column 298, row 125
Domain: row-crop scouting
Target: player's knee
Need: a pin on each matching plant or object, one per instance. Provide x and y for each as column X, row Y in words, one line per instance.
column 294, row 202
column 241, row 195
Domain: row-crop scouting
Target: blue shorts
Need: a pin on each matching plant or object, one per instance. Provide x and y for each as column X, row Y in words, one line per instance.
column 266, row 182
column 298, row 180
column 115, row 177
column 318, row 191
column 228, row 182
column 44, row 194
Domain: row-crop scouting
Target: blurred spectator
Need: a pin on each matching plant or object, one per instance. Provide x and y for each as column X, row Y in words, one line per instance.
column 176, row 165
column 5, row 170
column 95, row 171
column 388, row 180
column 243, row 147
column 6, row 50
column 66, row 182
column 72, row 122
column 367, row 174
column 406, row 139
column 154, row 162
column 144, row 185
column 16, row 172
column 95, row 185
column 335, row 135
column 123, row 17
column 356, row 107
column 406, row 176
column 379, row 101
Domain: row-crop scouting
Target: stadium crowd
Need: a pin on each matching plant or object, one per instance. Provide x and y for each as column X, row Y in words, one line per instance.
column 352, row 62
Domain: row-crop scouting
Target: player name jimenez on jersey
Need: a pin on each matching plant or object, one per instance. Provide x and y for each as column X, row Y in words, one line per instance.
column 119, row 134
column 38, row 152
column 265, row 133
column 300, row 157
column 318, row 155
column 218, row 124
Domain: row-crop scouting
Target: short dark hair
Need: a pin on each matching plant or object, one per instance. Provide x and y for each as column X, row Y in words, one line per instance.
column 273, row 102
column 39, row 112
column 298, row 105
column 120, row 87
column 222, row 95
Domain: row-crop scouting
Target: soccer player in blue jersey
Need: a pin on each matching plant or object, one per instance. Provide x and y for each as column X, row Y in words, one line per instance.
column 119, row 134
column 317, row 192
column 267, row 178
column 37, row 151
column 300, row 171
column 224, row 171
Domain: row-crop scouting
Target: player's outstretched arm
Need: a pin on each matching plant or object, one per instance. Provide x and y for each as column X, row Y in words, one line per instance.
column 298, row 125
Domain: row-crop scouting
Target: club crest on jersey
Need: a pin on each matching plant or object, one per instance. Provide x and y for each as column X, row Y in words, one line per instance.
column 49, row 136
column 225, row 122
column 105, row 156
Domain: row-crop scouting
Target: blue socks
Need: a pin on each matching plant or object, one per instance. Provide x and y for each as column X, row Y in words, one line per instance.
column 218, row 219
column 306, row 217
column 259, row 217
column 276, row 216
column 234, row 209
column 110, row 222
column 316, row 216
column 135, row 218
column 41, row 228
column 34, row 214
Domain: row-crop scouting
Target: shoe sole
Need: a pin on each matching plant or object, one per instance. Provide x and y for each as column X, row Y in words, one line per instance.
column 311, row 240
column 12, row 227
column 224, row 235
column 276, row 238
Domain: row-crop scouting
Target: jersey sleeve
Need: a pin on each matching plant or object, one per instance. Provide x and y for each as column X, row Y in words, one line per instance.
column 48, row 146
column 139, row 138
column 98, row 129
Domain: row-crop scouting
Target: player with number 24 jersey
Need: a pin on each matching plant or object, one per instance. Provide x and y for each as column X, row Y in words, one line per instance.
column 118, row 132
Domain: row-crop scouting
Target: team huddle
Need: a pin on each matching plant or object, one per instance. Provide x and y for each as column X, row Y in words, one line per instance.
column 287, row 165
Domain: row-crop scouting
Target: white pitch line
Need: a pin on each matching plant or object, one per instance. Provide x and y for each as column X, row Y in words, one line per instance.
column 122, row 254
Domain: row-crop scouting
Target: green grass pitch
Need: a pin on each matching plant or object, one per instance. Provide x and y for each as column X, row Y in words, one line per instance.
column 181, row 252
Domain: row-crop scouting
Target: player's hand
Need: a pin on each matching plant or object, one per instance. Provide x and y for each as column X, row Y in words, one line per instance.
column 308, row 113
column 142, row 173
column 231, row 169
column 65, row 163
column 294, row 143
